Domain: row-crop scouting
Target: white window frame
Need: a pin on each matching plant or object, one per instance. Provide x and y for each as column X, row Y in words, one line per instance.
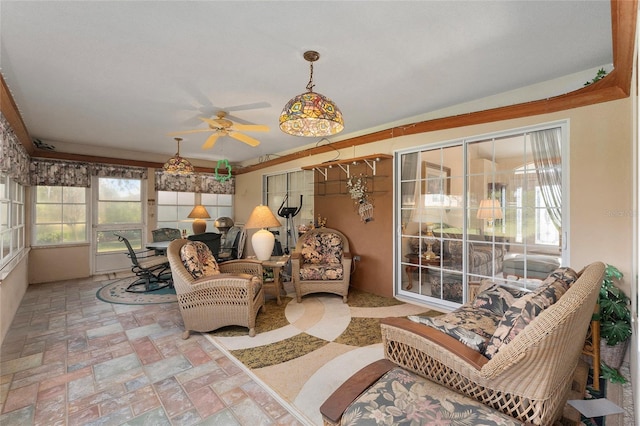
column 12, row 227
column 87, row 223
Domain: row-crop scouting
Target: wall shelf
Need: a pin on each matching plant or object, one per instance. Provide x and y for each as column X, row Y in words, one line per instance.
column 344, row 165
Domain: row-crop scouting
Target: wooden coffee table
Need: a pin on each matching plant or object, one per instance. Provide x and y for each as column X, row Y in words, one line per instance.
column 418, row 261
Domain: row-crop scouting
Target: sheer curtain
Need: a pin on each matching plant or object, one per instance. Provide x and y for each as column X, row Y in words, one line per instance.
column 547, row 158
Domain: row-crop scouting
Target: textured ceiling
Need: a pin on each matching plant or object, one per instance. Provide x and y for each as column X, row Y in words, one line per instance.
column 113, row 78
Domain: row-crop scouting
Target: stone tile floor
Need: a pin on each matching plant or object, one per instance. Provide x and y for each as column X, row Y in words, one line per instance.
column 71, row 359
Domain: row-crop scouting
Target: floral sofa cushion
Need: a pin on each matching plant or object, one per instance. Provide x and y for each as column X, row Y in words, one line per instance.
column 478, row 320
column 198, row 259
column 402, row 397
column 322, row 248
column 525, row 309
column 468, row 337
column 498, row 298
column 310, row 272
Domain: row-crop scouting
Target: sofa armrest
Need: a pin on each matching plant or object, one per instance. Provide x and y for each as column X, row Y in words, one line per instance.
column 334, row 406
column 473, row 358
column 346, row 255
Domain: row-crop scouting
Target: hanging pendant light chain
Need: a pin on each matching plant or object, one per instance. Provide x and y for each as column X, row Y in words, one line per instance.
column 310, row 83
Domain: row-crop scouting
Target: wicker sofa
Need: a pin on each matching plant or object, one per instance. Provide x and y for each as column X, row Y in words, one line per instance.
column 537, row 342
column 212, row 295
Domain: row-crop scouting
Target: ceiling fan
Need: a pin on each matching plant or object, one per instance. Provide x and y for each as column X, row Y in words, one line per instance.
column 222, row 126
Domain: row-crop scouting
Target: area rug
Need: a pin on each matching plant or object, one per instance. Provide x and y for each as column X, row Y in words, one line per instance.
column 115, row 292
column 303, row 351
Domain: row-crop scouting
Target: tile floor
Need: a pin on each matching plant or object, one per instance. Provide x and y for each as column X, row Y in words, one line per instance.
column 71, row 359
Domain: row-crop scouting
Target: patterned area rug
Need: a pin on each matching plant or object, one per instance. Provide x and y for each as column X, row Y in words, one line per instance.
column 303, row 351
column 115, row 292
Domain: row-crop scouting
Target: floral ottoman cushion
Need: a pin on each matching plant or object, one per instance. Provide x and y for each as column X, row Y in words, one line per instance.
column 403, row 398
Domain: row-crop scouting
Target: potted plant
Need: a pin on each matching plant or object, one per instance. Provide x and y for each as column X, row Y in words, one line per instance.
column 615, row 324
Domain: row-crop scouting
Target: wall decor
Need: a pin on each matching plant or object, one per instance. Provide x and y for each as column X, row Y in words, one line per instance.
column 435, row 178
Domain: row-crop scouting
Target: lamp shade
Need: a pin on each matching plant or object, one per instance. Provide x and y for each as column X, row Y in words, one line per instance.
column 311, row 114
column 199, row 213
column 489, row 209
column 177, row 165
column 262, row 241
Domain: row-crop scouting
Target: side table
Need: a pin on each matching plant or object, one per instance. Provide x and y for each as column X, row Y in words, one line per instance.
column 276, row 263
column 421, row 261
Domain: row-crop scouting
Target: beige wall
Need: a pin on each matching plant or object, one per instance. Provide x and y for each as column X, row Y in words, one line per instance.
column 59, row 263
column 600, row 189
column 600, row 180
column 12, row 289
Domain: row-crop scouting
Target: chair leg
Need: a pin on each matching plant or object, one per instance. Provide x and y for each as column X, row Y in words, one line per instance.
column 252, row 332
column 185, row 334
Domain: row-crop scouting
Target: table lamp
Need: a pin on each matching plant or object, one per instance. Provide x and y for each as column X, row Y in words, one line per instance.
column 199, row 213
column 489, row 210
column 262, row 241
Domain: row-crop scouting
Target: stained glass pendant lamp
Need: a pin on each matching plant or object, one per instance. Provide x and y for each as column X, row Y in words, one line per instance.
column 177, row 165
column 311, row 114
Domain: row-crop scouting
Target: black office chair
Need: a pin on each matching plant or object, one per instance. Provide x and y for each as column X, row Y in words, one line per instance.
column 211, row 239
column 153, row 271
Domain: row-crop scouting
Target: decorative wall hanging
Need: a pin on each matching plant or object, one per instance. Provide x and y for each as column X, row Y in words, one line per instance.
column 357, row 187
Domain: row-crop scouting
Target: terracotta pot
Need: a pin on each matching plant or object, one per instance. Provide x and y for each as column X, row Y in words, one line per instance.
column 613, row 355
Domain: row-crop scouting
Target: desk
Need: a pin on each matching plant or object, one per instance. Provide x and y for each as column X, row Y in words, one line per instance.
column 276, row 263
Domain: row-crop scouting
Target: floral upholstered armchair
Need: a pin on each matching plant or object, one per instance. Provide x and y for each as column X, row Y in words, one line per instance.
column 321, row 263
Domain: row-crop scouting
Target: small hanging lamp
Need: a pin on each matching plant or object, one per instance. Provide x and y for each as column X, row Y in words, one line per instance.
column 311, row 114
column 177, row 165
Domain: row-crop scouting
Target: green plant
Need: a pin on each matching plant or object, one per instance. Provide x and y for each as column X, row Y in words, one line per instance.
column 615, row 315
column 599, row 76
column 611, row 374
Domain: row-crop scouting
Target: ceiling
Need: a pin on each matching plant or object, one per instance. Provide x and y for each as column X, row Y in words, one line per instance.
column 114, row 78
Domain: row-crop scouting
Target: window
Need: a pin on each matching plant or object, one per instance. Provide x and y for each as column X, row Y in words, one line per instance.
column 60, row 215
column 466, row 208
column 119, row 208
column 174, row 208
column 12, row 234
column 284, row 190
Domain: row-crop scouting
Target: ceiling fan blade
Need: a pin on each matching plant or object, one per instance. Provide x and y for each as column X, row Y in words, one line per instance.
column 251, row 127
column 211, row 140
column 211, row 121
column 188, row 131
column 244, row 138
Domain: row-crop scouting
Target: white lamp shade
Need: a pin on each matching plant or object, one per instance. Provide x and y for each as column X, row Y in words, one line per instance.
column 489, row 209
column 263, row 242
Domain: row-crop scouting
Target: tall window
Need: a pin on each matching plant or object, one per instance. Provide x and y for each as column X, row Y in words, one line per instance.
column 60, row 215
column 174, row 207
column 284, row 190
column 12, row 233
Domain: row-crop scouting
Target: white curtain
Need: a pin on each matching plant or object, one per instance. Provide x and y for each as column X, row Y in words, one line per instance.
column 547, row 153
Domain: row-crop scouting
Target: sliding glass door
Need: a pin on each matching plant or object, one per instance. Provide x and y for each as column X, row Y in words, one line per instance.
column 490, row 207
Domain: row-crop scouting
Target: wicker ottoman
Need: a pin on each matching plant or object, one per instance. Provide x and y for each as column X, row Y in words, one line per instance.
column 383, row 393
column 538, row 266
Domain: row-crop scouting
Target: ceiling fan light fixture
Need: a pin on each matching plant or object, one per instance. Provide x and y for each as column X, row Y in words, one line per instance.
column 177, row 165
column 311, row 114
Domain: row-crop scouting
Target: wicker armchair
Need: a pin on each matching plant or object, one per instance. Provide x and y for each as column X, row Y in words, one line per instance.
column 528, row 378
column 232, row 297
column 321, row 263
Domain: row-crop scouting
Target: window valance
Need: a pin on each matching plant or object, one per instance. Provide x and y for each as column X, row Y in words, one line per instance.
column 74, row 173
column 201, row 182
column 14, row 160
